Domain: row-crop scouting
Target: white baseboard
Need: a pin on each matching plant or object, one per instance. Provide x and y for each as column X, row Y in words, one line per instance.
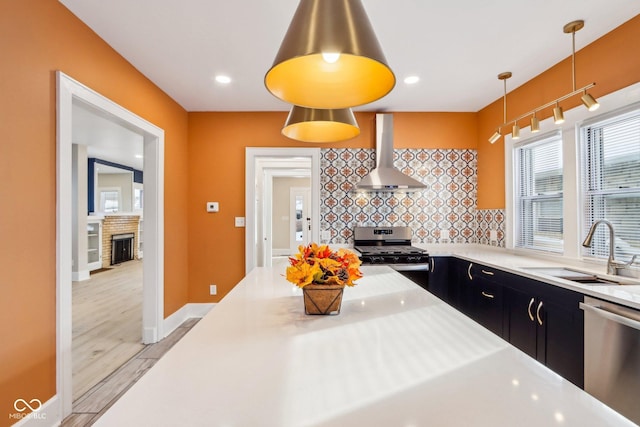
column 47, row 415
column 187, row 311
column 79, row 276
column 281, row 252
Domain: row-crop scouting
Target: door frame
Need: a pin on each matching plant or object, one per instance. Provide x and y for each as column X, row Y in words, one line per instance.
column 69, row 89
column 306, row 193
column 252, row 198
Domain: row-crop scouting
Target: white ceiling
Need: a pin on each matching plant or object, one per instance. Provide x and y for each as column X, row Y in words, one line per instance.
column 457, row 47
column 105, row 137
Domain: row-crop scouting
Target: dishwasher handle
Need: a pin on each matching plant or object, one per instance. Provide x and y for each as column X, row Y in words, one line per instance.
column 613, row 314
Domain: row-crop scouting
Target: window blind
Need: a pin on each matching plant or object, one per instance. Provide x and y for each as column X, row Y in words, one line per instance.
column 610, row 178
column 538, row 203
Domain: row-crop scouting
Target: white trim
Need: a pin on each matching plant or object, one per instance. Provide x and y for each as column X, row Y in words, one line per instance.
column 251, row 156
column 50, row 410
column 572, row 203
column 69, row 90
column 186, row 312
column 79, row 276
column 281, row 252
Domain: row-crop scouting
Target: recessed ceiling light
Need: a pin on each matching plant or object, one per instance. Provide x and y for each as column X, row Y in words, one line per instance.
column 223, row 79
column 411, row 80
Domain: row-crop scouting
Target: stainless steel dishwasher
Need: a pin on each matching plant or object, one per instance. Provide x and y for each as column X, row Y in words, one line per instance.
column 612, row 355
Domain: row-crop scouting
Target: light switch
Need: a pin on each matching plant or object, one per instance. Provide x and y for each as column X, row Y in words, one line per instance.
column 493, row 235
column 325, row 235
column 239, row 221
column 213, row 207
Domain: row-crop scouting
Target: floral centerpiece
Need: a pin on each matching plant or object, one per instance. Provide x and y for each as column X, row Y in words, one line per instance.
column 322, row 274
column 322, row 266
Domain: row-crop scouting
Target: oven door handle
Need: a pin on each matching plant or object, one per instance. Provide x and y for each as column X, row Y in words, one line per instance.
column 408, row 267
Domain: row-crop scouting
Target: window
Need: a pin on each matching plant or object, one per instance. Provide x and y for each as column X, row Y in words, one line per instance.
column 538, row 189
column 109, row 200
column 138, row 199
column 611, row 182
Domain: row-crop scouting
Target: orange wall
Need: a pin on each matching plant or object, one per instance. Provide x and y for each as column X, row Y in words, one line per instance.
column 38, row 37
column 217, row 144
column 611, row 61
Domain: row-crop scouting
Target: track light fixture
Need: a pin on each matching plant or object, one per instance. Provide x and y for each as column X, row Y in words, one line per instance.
column 515, row 131
column 590, row 102
column 558, row 116
column 535, row 124
column 502, row 76
column 496, row 136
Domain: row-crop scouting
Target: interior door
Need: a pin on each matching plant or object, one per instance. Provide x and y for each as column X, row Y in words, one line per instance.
column 299, row 217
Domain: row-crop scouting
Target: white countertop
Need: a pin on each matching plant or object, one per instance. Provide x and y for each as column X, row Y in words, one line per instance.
column 395, row 356
column 627, row 294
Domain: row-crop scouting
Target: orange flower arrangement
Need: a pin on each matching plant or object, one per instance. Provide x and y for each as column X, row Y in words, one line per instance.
column 315, row 264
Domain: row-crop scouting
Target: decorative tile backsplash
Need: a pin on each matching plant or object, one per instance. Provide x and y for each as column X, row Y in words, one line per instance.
column 488, row 220
column 445, row 212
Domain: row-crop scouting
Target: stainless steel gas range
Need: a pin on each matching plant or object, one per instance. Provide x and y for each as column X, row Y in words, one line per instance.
column 392, row 246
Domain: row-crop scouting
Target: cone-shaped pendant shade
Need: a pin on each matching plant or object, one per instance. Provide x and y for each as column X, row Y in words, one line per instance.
column 315, row 125
column 330, row 58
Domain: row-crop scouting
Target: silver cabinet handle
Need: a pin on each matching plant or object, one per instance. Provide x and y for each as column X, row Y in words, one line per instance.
column 529, row 309
column 433, row 264
column 538, row 313
column 488, row 273
column 484, row 294
column 469, row 271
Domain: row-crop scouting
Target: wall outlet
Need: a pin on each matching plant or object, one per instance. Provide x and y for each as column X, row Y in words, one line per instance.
column 239, row 221
column 213, row 207
column 493, row 235
column 325, row 235
column 213, row 289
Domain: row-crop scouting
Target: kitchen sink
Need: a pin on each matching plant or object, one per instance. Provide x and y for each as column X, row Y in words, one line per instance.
column 572, row 276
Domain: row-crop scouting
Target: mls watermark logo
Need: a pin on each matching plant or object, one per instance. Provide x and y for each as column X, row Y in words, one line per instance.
column 22, row 406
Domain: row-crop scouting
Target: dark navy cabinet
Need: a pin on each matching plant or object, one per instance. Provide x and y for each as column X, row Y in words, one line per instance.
column 440, row 278
column 546, row 322
column 540, row 319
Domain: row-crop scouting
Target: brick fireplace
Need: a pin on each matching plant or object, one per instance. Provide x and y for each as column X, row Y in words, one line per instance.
column 114, row 225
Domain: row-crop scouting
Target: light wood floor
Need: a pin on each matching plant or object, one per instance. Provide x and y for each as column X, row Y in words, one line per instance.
column 107, row 324
column 88, row 408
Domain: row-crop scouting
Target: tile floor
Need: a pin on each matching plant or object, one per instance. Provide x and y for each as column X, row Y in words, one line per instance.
column 90, row 406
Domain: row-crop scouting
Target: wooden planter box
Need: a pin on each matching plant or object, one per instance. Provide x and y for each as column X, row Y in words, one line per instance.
column 322, row 299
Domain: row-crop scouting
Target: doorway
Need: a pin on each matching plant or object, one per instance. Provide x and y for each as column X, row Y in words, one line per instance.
column 262, row 164
column 68, row 92
column 299, row 217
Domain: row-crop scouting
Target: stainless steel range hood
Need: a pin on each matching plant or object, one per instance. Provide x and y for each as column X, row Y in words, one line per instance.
column 385, row 177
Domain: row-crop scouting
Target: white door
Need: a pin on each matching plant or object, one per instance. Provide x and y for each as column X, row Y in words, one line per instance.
column 299, row 217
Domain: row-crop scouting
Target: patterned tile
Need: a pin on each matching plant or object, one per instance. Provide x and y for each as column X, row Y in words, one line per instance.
column 444, row 212
column 487, row 220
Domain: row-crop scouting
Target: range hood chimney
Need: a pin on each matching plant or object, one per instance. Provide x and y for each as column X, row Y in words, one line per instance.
column 385, row 177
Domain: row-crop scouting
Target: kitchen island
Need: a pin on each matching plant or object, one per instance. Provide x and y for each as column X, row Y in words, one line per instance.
column 395, row 356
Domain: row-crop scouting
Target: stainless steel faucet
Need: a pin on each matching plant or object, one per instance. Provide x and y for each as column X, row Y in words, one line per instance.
column 612, row 264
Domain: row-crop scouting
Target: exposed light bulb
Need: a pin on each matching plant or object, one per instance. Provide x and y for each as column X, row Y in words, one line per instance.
column 330, row 57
